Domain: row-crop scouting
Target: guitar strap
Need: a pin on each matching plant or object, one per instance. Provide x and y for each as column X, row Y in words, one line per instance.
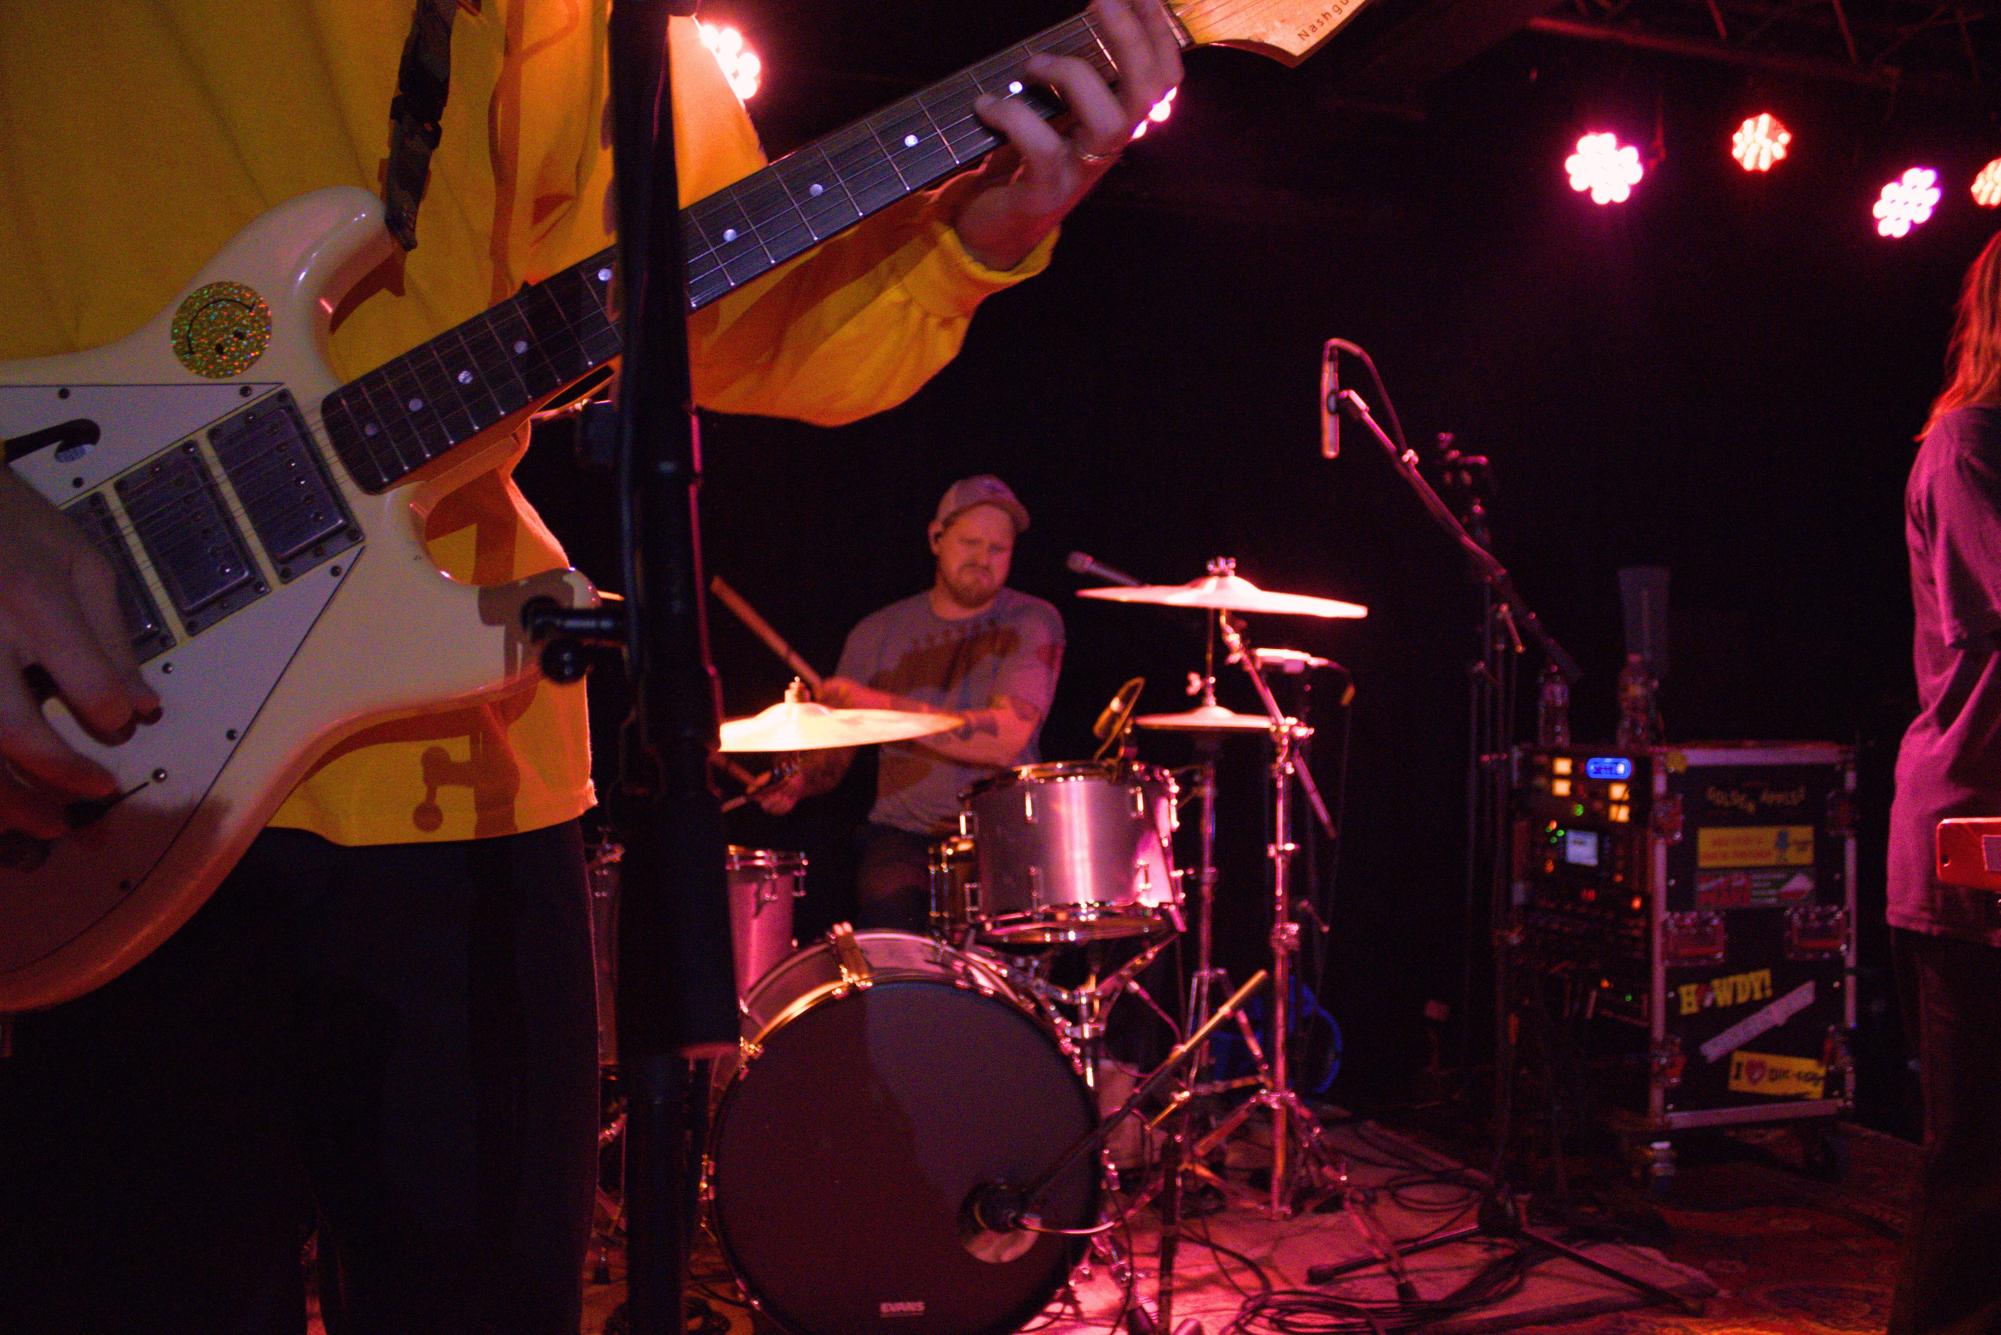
column 422, row 81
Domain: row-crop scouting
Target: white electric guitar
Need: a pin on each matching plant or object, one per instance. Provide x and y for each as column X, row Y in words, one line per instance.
column 265, row 520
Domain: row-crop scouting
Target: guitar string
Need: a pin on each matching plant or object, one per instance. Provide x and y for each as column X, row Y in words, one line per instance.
column 235, row 503
column 129, row 520
column 863, row 181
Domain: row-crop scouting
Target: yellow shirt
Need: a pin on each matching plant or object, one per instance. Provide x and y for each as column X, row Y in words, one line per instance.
column 137, row 136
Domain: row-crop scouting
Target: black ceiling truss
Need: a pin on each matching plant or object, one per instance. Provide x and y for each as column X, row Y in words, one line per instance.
column 1944, row 50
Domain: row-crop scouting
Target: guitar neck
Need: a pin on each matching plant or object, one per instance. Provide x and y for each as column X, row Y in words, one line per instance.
column 400, row 416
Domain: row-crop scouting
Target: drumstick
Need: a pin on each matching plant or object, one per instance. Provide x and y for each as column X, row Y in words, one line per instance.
column 731, row 768
column 762, row 629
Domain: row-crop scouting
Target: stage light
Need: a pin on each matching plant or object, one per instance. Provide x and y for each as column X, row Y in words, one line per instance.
column 1604, row 167
column 1760, row 142
column 740, row 64
column 1987, row 186
column 1907, row 202
column 1160, row 111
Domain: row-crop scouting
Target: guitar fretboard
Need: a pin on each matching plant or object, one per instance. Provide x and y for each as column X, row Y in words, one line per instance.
column 400, row 416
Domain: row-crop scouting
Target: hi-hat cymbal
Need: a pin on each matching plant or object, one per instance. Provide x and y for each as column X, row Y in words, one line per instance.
column 1225, row 590
column 1205, row 718
column 805, row 725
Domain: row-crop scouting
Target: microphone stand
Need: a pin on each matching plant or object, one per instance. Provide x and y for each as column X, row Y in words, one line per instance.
column 1507, row 618
column 1000, row 1207
column 677, row 999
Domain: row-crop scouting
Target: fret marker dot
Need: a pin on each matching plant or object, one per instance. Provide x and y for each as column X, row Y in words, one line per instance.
column 910, row 141
column 520, row 346
column 816, row 189
column 465, row 377
column 370, row 429
column 416, row 405
column 604, row 275
column 729, row 233
column 1014, row 88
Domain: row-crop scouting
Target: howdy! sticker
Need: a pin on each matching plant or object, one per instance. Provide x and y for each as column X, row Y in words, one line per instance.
column 1777, row 1077
column 1737, row 989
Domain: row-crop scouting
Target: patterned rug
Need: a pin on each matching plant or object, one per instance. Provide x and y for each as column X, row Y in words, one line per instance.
column 1775, row 1250
column 1772, row 1249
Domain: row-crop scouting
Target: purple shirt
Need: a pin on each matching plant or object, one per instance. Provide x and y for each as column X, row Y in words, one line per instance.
column 1950, row 762
column 1014, row 648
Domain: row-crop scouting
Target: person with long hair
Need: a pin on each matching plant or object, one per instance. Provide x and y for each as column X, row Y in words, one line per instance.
column 1948, row 939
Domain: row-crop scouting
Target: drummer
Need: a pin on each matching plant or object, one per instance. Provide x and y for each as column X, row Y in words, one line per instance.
column 968, row 645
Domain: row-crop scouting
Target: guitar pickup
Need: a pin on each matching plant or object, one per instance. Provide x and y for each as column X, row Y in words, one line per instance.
column 143, row 622
column 197, row 551
column 282, row 484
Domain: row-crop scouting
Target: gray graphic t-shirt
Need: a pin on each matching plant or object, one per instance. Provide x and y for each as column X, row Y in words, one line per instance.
column 1014, row 648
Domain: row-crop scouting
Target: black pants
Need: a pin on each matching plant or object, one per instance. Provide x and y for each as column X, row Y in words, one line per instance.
column 397, row 1043
column 1948, row 1278
column 893, row 881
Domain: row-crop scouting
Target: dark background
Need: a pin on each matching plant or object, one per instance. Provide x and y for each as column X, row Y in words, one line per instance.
column 1722, row 376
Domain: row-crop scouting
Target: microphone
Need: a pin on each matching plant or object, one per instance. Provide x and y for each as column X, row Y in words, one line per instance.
column 1330, row 405
column 1112, row 718
column 1089, row 565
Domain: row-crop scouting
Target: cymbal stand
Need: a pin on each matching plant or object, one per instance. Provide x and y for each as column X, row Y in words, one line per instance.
column 1203, row 982
column 1295, row 1130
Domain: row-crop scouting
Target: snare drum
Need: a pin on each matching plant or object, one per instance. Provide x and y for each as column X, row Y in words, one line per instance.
column 1072, row 852
column 886, row 1077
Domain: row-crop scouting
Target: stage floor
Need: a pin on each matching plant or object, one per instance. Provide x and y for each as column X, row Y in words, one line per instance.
column 1764, row 1249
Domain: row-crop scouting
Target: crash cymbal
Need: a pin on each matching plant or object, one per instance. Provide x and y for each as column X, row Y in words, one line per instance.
column 1205, row 718
column 1225, row 590
column 805, row 725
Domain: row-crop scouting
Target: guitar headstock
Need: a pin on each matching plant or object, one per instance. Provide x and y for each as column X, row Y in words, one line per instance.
column 1286, row 30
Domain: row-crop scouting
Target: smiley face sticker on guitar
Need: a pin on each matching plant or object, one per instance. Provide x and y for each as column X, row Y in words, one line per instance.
column 221, row 330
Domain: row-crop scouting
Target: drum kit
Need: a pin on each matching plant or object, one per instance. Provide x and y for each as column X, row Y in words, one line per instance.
column 911, row 1137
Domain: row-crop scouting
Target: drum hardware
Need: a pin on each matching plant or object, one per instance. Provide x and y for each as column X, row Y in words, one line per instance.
column 998, row 1208
column 1090, row 999
column 1290, row 1117
column 1294, row 1129
column 1116, row 718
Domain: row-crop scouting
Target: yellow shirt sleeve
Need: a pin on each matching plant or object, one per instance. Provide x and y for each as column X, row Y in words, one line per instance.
column 138, row 136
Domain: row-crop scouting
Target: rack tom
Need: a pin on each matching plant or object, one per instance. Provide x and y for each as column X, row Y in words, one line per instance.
column 1069, row 852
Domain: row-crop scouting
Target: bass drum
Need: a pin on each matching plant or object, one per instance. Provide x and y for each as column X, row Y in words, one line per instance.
column 887, row 1077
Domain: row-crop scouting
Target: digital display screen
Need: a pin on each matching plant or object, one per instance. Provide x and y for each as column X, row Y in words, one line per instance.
column 1580, row 848
column 1608, row 767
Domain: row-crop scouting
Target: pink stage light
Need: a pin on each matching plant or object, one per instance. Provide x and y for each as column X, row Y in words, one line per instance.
column 1760, row 142
column 1907, row 202
column 741, row 65
column 1158, row 114
column 1605, row 168
column 1987, row 186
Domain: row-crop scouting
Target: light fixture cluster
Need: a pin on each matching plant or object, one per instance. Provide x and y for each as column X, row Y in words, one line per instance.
column 1604, row 168
column 741, row 65
column 1608, row 171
